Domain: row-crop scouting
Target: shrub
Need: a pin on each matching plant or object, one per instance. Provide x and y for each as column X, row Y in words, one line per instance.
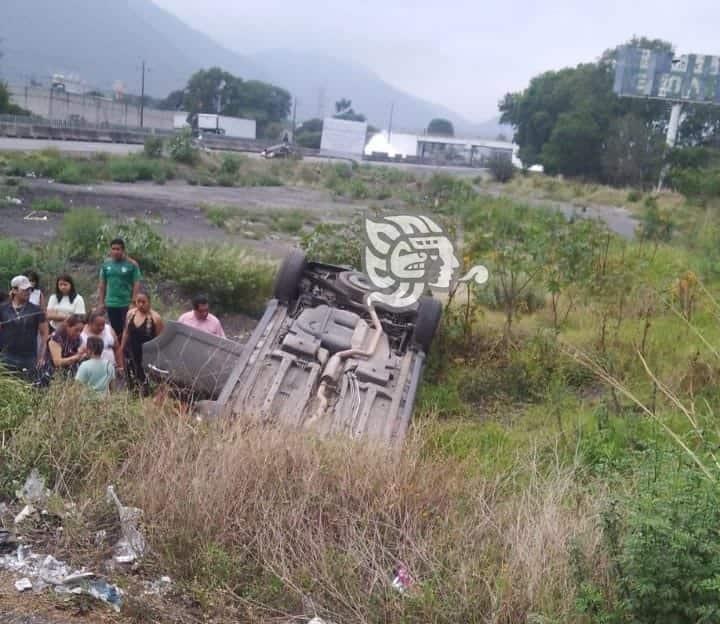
column 14, row 259
column 671, row 555
column 232, row 279
column 142, row 243
column 665, row 553
column 656, row 225
column 230, row 165
column 81, row 229
column 153, row 147
column 134, row 168
column 181, row 149
column 335, row 243
column 290, row 223
column 72, row 173
column 634, row 196
column 49, row 204
column 75, row 443
column 501, row 168
column 226, row 179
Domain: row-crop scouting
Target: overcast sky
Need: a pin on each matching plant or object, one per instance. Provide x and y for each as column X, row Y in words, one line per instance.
column 463, row 54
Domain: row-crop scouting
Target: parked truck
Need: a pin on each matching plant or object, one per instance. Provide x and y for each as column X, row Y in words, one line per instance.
column 227, row 126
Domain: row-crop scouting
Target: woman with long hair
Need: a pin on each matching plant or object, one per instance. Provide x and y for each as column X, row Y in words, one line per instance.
column 65, row 350
column 64, row 302
column 142, row 325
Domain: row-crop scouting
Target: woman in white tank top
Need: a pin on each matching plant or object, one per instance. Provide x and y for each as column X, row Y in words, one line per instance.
column 98, row 327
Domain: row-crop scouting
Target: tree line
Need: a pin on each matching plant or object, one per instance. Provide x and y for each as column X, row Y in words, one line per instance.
column 572, row 123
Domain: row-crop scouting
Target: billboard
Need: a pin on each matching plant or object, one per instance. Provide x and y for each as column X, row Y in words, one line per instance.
column 343, row 137
column 647, row 73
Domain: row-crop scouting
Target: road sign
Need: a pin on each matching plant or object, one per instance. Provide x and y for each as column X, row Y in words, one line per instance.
column 692, row 78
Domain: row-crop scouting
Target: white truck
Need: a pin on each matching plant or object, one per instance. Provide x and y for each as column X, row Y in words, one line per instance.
column 228, row 126
column 180, row 121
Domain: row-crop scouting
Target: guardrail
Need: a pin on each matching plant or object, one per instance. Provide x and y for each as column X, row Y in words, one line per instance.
column 10, row 127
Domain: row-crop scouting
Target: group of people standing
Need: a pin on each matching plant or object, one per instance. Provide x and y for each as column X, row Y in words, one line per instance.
column 40, row 339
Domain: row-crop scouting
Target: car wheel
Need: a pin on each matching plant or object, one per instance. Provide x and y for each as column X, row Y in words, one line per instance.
column 287, row 280
column 427, row 320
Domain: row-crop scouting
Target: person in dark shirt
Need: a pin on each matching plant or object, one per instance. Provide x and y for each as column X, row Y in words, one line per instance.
column 21, row 322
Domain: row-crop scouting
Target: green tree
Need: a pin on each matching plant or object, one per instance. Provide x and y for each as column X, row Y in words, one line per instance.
column 344, row 110
column 567, row 119
column 212, row 90
column 309, row 133
column 441, row 127
column 633, row 152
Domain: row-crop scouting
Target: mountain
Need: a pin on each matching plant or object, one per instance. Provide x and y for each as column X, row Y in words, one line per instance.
column 318, row 80
column 104, row 41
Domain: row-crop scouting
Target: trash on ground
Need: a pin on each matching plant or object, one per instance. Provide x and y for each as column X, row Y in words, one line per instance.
column 158, row 587
column 7, row 541
column 24, row 584
column 97, row 588
column 42, row 571
column 34, row 216
column 402, row 580
column 16, row 201
column 33, row 492
column 131, row 546
column 27, row 511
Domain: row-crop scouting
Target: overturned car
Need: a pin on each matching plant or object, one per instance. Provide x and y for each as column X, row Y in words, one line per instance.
column 320, row 358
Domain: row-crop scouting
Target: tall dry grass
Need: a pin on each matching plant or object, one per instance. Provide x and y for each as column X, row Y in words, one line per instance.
column 280, row 524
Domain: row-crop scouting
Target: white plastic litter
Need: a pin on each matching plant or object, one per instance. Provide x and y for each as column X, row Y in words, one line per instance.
column 131, row 546
column 26, row 512
column 43, row 571
column 33, row 492
column 24, row 584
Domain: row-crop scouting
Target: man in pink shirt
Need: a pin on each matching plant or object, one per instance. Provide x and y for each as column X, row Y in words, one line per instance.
column 200, row 318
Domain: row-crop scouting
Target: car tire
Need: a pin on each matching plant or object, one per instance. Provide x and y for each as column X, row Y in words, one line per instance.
column 429, row 312
column 287, row 280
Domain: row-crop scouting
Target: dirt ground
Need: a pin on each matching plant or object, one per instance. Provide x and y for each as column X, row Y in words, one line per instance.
column 174, row 208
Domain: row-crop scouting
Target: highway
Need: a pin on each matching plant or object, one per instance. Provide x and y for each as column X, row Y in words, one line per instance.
column 77, row 147
column 121, row 149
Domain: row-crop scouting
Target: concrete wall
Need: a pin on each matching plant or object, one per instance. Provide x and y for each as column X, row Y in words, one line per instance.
column 87, row 109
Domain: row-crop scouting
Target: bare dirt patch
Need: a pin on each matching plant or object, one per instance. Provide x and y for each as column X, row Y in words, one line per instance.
column 176, row 209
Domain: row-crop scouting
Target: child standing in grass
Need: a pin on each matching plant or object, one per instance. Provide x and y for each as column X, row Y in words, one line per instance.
column 96, row 372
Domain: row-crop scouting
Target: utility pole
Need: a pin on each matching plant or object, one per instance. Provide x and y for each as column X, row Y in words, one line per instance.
column 293, row 119
column 672, row 131
column 392, row 109
column 142, row 95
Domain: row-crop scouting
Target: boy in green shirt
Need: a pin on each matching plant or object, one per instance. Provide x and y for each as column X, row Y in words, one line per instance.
column 96, row 372
column 119, row 284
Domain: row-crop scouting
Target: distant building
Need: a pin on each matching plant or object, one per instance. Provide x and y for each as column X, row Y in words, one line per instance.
column 436, row 150
column 456, row 151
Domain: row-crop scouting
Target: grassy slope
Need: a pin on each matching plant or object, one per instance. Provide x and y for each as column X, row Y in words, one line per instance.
column 497, row 504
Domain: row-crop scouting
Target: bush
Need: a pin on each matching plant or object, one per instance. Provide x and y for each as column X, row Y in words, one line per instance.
column 669, row 556
column 142, row 243
column 49, row 204
column 501, row 168
column 664, row 555
column 232, row 279
column 80, row 231
column 336, row 243
column 181, row 149
column 134, row 168
column 14, row 259
column 634, row 196
column 75, row 443
column 153, row 147
column 230, row 165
